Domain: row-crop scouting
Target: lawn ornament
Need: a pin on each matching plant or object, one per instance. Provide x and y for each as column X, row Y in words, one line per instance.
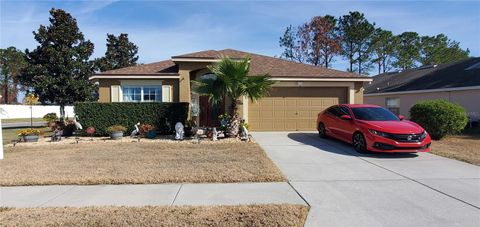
column 78, row 126
column 179, row 131
column 90, row 131
column 57, row 134
column 244, row 133
column 214, row 134
column 136, row 131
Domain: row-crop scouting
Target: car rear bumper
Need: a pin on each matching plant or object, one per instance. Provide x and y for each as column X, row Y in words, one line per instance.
column 380, row 144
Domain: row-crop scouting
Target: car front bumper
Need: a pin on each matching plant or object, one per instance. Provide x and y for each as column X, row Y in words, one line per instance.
column 381, row 144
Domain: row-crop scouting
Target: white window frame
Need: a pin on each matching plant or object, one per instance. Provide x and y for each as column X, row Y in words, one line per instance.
column 141, row 84
column 142, row 87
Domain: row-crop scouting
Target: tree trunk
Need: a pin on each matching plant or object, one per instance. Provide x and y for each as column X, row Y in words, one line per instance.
column 379, row 66
column 351, row 64
column 5, row 95
column 326, row 60
column 384, row 66
column 359, row 66
column 62, row 112
column 234, row 126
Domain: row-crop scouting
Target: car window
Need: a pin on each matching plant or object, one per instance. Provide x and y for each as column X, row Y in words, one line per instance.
column 344, row 111
column 335, row 111
column 374, row 114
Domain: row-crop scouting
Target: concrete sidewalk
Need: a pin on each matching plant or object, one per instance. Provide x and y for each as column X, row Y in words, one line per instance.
column 153, row 194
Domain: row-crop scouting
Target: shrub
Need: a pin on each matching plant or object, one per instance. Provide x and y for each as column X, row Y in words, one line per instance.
column 116, row 128
column 439, row 117
column 50, row 117
column 103, row 115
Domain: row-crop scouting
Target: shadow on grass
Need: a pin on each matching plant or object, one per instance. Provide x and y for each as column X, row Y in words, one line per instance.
column 338, row 147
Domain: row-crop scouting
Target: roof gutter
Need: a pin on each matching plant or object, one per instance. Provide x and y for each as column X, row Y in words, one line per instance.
column 158, row 76
column 425, row 91
column 321, row 79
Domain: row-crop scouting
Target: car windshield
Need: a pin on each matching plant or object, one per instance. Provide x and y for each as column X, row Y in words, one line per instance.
column 374, row 114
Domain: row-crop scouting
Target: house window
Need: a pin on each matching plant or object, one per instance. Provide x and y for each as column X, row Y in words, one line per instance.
column 393, row 104
column 142, row 93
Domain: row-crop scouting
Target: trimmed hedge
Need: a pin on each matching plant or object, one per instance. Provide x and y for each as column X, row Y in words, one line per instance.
column 103, row 115
column 439, row 117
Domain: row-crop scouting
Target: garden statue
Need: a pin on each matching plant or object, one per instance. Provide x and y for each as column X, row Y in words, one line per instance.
column 136, row 131
column 179, row 131
column 77, row 124
column 214, row 134
column 90, row 130
column 195, row 109
column 244, row 133
column 57, row 134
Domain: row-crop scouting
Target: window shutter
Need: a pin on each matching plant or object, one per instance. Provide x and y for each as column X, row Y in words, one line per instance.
column 167, row 95
column 115, row 93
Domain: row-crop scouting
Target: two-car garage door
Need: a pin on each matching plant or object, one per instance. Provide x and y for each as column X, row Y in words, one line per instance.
column 293, row 108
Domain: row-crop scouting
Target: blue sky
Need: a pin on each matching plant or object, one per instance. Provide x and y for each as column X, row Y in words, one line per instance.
column 162, row 29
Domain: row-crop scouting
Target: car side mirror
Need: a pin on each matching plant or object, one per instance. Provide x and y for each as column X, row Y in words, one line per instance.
column 401, row 117
column 346, row 117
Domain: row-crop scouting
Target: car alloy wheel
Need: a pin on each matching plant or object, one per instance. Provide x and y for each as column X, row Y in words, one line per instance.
column 359, row 143
column 321, row 131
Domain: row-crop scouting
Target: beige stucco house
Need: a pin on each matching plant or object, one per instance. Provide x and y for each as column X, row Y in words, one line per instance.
column 300, row 91
column 457, row 82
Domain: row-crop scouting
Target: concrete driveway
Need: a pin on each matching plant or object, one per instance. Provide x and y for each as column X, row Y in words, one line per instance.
column 345, row 188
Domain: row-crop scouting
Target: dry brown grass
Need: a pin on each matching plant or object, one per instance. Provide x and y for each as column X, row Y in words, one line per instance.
column 136, row 163
column 251, row 215
column 463, row 147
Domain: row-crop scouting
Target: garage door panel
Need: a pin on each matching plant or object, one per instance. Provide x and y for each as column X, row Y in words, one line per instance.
column 290, row 113
column 302, row 114
column 290, row 109
column 290, row 125
column 279, row 114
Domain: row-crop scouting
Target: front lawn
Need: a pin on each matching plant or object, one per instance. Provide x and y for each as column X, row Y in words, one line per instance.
column 136, row 163
column 464, row 147
column 241, row 215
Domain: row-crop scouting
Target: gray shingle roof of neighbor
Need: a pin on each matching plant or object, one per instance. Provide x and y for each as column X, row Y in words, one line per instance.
column 260, row 64
column 464, row 73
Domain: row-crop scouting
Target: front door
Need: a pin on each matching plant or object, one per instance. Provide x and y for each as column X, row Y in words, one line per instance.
column 209, row 113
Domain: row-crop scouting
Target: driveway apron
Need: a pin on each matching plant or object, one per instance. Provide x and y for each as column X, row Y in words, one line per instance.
column 346, row 188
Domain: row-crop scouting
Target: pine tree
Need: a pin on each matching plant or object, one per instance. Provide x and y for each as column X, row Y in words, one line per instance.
column 440, row 49
column 12, row 62
column 356, row 34
column 120, row 53
column 407, row 51
column 383, row 49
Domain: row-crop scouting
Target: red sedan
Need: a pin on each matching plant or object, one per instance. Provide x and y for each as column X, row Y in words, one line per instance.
column 372, row 128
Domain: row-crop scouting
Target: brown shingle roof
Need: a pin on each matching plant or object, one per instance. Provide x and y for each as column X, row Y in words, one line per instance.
column 260, row 64
column 276, row 67
column 162, row 67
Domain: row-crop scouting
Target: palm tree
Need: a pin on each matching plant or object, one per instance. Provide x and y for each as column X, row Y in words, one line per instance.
column 232, row 79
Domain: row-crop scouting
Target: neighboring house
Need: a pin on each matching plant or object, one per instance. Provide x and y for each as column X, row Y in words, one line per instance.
column 457, row 82
column 300, row 91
